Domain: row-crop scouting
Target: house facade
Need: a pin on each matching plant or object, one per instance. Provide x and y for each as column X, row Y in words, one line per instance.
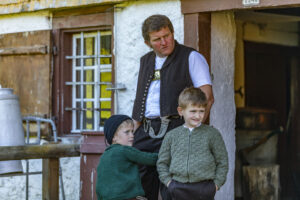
column 77, row 63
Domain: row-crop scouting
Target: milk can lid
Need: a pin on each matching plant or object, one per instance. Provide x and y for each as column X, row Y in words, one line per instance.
column 6, row 93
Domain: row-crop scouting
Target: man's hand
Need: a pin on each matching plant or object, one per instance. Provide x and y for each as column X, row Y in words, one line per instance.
column 217, row 188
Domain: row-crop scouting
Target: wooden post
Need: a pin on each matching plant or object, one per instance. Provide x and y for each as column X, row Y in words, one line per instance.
column 261, row 182
column 197, row 33
column 50, row 179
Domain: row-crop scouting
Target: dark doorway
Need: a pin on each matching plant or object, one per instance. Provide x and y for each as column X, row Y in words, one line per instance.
column 272, row 82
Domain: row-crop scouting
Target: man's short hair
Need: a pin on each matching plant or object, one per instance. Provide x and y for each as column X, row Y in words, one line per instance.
column 193, row 96
column 155, row 23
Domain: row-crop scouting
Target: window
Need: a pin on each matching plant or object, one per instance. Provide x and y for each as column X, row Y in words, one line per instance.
column 83, row 70
column 91, row 76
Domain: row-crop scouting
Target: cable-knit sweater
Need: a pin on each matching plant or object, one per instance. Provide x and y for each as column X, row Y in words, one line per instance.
column 118, row 174
column 193, row 156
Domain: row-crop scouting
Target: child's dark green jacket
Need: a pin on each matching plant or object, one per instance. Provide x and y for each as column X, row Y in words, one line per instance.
column 118, row 175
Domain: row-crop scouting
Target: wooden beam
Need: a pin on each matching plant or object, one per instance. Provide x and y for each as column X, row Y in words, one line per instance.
column 197, row 30
column 29, row 50
column 205, row 35
column 83, row 21
column 258, row 17
column 50, row 179
column 39, row 151
column 194, row 6
column 191, row 30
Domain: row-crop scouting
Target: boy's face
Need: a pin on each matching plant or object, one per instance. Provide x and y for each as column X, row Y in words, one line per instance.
column 124, row 135
column 193, row 115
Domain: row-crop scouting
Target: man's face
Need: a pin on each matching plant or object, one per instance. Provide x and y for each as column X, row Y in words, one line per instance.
column 162, row 42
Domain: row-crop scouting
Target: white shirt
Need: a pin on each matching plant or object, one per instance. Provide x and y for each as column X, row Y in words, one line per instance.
column 199, row 73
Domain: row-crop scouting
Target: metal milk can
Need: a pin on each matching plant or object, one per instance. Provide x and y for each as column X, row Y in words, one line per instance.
column 11, row 128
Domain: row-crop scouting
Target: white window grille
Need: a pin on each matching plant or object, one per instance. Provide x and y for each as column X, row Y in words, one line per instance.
column 91, row 74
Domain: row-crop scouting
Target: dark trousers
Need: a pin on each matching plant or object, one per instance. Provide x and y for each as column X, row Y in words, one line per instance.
column 204, row 190
column 149, row 175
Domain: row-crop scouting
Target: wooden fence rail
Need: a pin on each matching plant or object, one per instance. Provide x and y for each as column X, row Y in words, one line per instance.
column 50, row 153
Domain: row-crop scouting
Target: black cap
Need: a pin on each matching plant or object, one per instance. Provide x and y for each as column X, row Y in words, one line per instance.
column 112, row 124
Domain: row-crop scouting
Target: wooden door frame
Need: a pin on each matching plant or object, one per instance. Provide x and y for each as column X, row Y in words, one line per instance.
column 63, row 28
column 198, row 6
column 197, row 33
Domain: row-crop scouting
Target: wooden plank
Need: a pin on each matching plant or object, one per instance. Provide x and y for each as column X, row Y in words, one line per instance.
column 191, row 30
column 50, row 179
column 28, row 75
column 205, row 35
column 83, row 10
column 27, row 50
column 197, row 30
column 194, row 6
column 39, row 151
column 83, row 21
column 251, row 16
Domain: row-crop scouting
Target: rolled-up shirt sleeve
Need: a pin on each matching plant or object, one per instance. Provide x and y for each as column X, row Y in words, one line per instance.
column 199, row 69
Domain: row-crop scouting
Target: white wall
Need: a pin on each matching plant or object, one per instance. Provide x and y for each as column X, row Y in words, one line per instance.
column 130, row 46
column 223, row 40
column 25, row 22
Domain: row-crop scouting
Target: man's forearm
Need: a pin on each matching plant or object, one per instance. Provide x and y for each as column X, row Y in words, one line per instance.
column 207, row 89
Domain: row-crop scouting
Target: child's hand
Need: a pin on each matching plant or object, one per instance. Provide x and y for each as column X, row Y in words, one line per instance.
column 217, row 188
column 169, row 183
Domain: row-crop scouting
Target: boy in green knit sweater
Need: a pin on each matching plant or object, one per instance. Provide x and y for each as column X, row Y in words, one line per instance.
column 117, row 173
column 192, row 161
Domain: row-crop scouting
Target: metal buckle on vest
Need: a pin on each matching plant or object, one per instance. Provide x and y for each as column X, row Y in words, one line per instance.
column 156, row 75
column 163, row 127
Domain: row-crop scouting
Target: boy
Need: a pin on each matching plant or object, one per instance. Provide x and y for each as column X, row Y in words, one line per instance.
column 117, row 173
column 192, row 161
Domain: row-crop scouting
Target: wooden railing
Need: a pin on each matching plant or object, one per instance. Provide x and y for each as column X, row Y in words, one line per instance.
column 50, row 153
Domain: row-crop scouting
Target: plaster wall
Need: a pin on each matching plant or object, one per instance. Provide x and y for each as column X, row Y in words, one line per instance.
column 130, row 46
column 25, row 22
column 223, row 41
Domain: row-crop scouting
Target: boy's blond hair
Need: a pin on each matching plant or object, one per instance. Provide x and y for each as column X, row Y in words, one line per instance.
column 124, row 124
column 192, row 96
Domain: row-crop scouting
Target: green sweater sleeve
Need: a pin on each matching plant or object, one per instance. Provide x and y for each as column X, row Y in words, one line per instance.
column 164, row 159
column 221, row 157
column 140, row 157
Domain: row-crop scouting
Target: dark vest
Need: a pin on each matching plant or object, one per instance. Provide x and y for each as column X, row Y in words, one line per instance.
column 174, row 77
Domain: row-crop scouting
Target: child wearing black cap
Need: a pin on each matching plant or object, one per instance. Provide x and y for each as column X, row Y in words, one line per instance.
column 117, row 173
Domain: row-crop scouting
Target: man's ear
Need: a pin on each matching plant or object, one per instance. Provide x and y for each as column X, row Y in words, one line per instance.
column 148, row 43
column 179, row 110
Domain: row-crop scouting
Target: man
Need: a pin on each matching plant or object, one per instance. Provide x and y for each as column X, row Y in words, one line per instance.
column 164, row 73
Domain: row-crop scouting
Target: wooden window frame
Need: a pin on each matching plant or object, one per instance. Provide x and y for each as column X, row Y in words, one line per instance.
column 63, row 30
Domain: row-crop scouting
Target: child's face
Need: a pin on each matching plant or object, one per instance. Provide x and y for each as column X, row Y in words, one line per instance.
column 193, row 115
column 124, row 135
